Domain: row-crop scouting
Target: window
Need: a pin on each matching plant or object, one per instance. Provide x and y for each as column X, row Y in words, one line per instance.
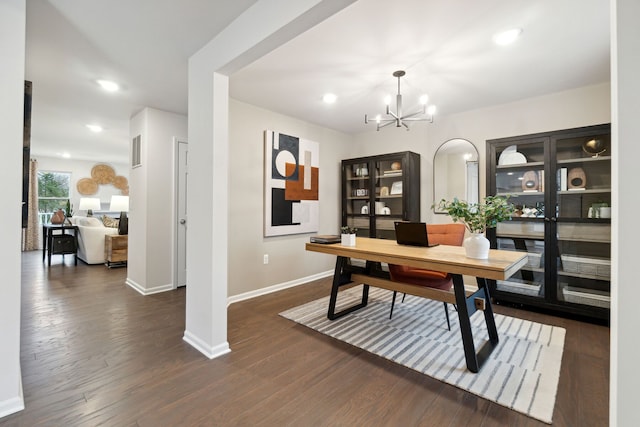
column 53, row 193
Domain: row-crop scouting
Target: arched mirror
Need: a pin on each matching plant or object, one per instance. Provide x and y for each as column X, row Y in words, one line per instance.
column 455, row 172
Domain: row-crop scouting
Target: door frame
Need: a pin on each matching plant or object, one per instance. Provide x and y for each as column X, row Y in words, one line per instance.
column 175, row 213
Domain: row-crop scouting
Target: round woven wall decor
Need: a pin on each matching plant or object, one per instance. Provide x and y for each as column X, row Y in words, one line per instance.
column 120, row 182
column 87, row 186
column 103, row 174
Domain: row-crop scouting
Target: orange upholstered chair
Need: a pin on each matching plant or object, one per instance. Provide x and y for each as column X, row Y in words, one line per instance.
column 444, row 234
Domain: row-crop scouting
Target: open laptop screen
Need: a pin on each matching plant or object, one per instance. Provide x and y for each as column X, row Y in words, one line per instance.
column 412, row 233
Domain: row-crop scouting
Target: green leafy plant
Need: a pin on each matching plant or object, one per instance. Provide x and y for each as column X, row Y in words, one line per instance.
column 348, row 230
column 69, row 209
column 477, row 217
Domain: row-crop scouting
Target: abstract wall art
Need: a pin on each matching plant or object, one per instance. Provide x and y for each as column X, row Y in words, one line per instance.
column 291, row 178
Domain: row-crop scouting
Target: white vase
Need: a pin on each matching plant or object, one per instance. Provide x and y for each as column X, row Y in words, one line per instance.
column 477, row 246
column 348, row 239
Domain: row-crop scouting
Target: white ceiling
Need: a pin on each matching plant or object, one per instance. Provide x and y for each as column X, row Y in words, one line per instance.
column 444, row 46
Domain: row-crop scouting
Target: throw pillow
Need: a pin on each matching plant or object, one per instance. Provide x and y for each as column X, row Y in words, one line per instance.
column 90, row 222
column 110, row 222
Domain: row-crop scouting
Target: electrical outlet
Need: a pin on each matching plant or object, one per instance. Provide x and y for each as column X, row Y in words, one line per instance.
column 265, row 259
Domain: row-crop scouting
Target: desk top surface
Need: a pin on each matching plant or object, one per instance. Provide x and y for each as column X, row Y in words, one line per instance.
column 500, row 265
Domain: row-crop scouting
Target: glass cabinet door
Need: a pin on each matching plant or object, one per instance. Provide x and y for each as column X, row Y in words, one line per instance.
column 388, row 204
column 520, row 174
column 358, row 186
column 583, row 197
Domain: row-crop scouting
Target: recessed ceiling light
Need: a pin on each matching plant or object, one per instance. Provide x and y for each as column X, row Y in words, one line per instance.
column 108, row 85
column 95, row 128
column 64, row 155
column 507, row 37
column 329, row 98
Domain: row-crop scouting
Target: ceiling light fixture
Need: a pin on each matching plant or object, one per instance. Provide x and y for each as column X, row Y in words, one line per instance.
column 329, row 98
column 108, row 85
column 507, row 37
column 426, row 114
column 95, row 128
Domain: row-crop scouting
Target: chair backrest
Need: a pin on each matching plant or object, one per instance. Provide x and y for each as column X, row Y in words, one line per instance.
column 446, row 234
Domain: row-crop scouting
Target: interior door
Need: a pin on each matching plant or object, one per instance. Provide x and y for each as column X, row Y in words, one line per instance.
column 182, row 172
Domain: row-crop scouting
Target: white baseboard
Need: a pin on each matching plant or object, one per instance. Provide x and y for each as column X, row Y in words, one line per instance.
column 13, row 405
column 202, row 347
column 278, row 287
column 150, row 291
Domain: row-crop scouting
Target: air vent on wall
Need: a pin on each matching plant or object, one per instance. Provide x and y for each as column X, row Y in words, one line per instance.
column 135, row 152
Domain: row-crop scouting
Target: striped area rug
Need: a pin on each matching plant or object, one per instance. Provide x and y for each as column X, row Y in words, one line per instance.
column 521, row 374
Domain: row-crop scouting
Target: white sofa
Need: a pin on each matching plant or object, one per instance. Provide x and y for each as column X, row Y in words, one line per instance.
column 91, row 238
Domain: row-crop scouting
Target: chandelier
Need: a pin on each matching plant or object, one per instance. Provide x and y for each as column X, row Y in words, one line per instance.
column 425, row 114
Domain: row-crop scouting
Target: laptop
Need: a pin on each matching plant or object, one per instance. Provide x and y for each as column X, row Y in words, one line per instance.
column 412, row 233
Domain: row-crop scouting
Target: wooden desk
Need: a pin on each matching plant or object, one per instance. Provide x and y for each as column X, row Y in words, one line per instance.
column 500, row 266
column 59, row 243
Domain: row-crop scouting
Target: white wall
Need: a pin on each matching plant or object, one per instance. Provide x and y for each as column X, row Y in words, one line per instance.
column 82, row 169
column 580, row 107
column 625, row 349
column 150, row 264
column 12, row 57
column 287, row 259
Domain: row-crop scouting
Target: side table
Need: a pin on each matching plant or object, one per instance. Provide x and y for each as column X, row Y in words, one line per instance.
column 115, row 250
column 59, row 243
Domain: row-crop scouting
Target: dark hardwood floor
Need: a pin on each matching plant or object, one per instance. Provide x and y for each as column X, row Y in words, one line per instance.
column 95, row 352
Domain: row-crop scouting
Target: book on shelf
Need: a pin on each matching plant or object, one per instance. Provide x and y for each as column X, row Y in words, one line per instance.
column 562, row 179
column 325, row 238
column 577, row 189
column 393, row 172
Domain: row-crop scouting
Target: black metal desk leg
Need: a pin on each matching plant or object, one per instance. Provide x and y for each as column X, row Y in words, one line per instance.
column 341, row 278
column 465, row 324
column 488, row 312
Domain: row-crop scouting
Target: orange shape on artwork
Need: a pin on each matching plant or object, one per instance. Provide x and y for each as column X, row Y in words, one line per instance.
column 294, row 190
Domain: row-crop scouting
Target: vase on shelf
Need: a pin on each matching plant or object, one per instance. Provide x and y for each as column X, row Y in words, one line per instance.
column 348, row 239
column 476, row 246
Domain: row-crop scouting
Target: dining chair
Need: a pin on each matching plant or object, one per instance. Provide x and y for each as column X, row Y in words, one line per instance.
column 444, row 234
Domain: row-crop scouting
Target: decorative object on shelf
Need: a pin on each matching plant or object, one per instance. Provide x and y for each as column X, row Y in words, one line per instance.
column 510, row 156
column 605, row 212
column 594, row 146
column 87, row 186
column 396, row 166
column 364, row 210
column 576, row 179
column 121, row 203
column 396, row 188
column 361, row 192
column 477, row 217
column 386, row 211
column 348, row 236
column 58, row 217
column 530, row 181
column 89, row 204
column 291, row 184
column 398, row 118
column 384, row 191
column 379, row 207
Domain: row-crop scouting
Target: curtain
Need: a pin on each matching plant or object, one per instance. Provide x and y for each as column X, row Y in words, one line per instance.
column 31, row 234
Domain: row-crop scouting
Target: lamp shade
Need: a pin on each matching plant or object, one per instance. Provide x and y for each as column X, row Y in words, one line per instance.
column 89, row 203
column 119, row 204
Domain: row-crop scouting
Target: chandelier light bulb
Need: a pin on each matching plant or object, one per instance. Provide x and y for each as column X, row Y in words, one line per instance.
column 424, row 99
column 431, row 110
column 108, row 85
column 387, row 100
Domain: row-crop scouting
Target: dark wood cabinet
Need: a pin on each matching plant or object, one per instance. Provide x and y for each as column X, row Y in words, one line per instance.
column 378, row 190
column 560, row 183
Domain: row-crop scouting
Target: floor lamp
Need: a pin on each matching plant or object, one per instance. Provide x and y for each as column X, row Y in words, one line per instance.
column 89, row 204
column 121, row 203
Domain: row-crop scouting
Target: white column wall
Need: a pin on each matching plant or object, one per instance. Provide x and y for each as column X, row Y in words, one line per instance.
column 263, row 27
column 150, row 254
column 625, row 348
column 12, row 57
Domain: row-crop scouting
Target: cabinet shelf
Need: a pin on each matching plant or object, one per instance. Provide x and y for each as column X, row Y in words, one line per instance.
column 402, row 168
column 572, row 276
